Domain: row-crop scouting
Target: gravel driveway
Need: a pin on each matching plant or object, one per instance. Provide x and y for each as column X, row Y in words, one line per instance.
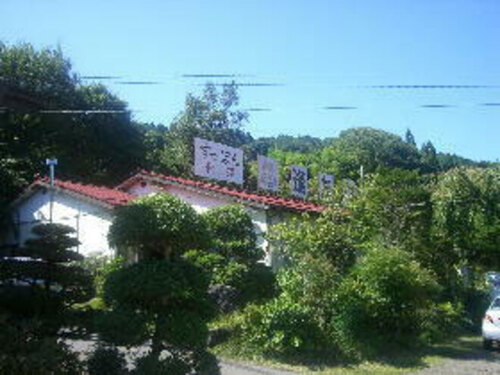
column 469, row 359
column 475, row 360
column 84, row 347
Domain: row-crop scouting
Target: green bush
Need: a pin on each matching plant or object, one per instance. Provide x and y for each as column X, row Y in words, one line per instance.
column 99, row 267
column 162, row 300
column 27, row 348
column 258, row 285
column 312, row 283
column 233, row 234
column 327, row 236
column 442, row 320
column 387, row 297
column 252, row 282
column 106, row 361
column 281, row 328
column 157, row 227
column 220, row 270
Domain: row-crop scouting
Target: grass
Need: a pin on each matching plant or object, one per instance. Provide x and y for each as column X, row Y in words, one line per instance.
column 395, row 360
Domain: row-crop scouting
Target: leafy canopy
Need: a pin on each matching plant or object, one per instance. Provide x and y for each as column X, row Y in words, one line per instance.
column 158, row 226
column 233, row 234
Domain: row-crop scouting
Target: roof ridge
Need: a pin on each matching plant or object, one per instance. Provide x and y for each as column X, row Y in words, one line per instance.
column 100, row 193
column 269, row 199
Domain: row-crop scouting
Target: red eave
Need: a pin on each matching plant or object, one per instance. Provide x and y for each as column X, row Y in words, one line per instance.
column 268, row 200
column 107, row 196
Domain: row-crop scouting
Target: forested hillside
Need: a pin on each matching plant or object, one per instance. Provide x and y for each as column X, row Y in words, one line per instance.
column 91, row 132
column 399, row 257
column 96, row 140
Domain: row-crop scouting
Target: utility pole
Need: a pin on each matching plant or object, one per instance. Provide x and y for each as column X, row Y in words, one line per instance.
column 51, row 163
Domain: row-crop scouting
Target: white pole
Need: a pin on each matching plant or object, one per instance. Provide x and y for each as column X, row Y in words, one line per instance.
column 51, row 163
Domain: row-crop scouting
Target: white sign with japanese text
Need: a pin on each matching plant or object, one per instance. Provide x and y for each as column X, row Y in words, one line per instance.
column 218, row 161
column 298, row 181
column 268, row 178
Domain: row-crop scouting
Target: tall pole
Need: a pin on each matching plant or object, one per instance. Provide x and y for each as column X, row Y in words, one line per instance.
column 51, row 163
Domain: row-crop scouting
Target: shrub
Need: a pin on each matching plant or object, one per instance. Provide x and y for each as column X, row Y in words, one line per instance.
column 443, row 319
column 26, row 348
column 221, row 270
column 327, row 236
column 259, row 284
column 164, row 301
column 225, row 297
column 106, row 361
column 388, row 296
column 100, row 267
column 281, row 328
column 157, row 227
column 312, row 283
column 233, row 234
column 242, row 282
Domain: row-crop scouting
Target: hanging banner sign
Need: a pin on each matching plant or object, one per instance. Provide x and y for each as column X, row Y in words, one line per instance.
column 298, row 181
column 325, row 183
column 218, row 161
column 268, row 177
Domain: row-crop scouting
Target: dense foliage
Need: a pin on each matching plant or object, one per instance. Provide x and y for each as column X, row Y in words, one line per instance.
column 94, row 147
column 399, row 257
column 232, row 259
column 161, row 299
column 233, row 234
column 387, row 296
column 157, row 226
column 213, row 116
column 37, row 288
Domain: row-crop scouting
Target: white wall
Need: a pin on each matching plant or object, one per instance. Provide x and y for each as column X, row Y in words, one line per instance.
column 91, row 221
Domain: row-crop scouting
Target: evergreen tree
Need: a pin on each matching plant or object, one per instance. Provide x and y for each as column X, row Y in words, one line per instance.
column 37, row 286
column 409, row 138
column 430, row 161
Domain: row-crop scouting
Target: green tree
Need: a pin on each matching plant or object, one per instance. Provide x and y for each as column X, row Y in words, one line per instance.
column 374, row 148
column 233, row 258
column 212, row 116
column 36, row 292
column 409, row 138
column 430, row 161
column 394, row 205
column 53, row 280
column 327, row 236
column 161, row 298
column 233, row 233
column 320, row 251
column 159, row 226
column 93, row 147
column 388, row 296
column 467, row 217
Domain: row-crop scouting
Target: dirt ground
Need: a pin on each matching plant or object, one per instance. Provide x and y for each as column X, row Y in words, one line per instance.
column 471, row 361
column 466, row 358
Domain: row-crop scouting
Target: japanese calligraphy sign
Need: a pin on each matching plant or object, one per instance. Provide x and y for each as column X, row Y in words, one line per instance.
column 268, row 178
column 325, row 183
column 298, row 181
column 218, row 161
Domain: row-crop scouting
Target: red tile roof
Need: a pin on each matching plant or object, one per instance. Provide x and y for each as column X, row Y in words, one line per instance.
column 268, row 200
column 108, row 196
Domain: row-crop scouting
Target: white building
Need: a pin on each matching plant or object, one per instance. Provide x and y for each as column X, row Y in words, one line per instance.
column 86, row 208
column 89, row 209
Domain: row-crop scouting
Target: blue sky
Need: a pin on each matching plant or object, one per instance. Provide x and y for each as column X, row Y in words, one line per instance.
column 322, row 53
